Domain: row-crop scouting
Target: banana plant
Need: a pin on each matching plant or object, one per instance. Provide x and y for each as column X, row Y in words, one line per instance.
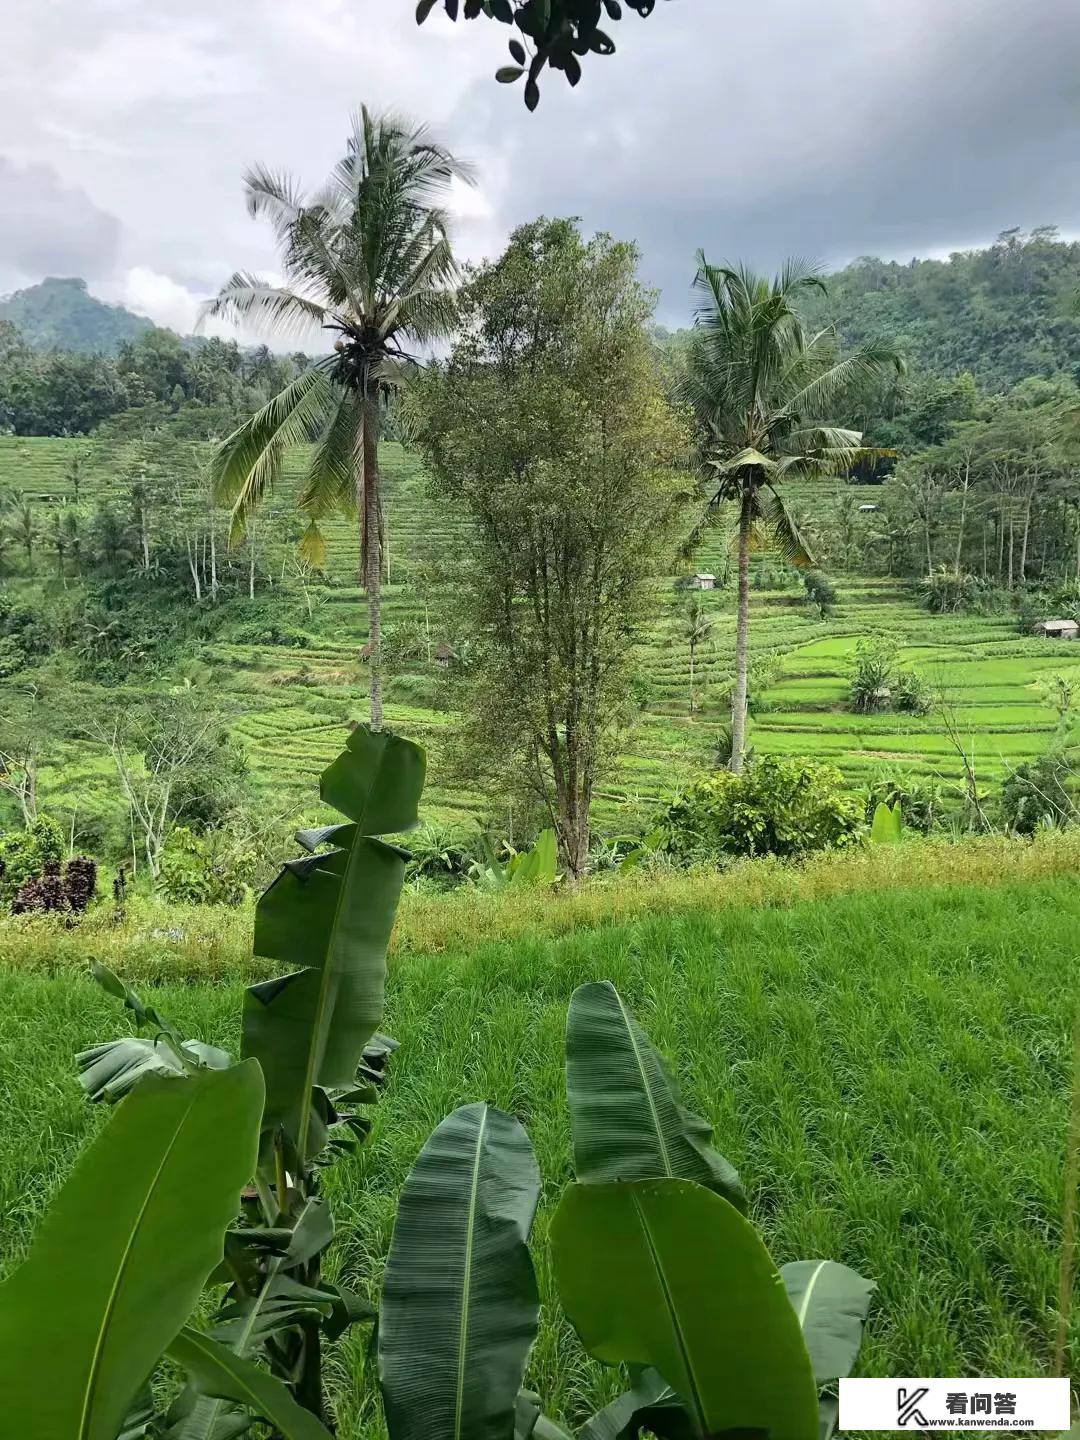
column 656, row 1267
column 124, row 1251
column 329, row 917
column 627, row 1126
column 314, row 1033
column 667, row 1275
column 888, row 824
column 459, row 1302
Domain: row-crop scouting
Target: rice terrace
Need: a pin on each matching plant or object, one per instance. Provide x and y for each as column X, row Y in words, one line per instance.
column 539, row 775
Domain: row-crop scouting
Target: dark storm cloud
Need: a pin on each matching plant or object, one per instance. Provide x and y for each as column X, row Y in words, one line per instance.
column 830, row 131
column 49, row 228
column 754, row 128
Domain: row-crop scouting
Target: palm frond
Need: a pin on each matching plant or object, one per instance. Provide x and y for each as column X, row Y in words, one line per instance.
column 246, row 298
column 330, row 483
column 784, row 533
column 248, row 463
column 833, row 385
column 312, row 546
column 275, row 196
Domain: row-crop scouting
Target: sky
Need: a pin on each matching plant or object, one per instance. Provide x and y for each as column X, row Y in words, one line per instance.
column 753, row 129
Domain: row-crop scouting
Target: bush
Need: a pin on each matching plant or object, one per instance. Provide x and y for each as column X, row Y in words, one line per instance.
column 58, row 891
column 820, row 591
column 213, row 785
column 911, row 695
column 873, row 677
column 205, row 869
column 443, row 854
column 921, row 801
column 946, row 593
column 25, row 854
column 1039, row 793
column 776, row 807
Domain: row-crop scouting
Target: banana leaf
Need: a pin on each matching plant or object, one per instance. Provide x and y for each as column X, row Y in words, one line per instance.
column 108, row 1071
column 666, row 1274
column 124, row 1251
column 329, row 916
column 459, row 1303
column 650, row 1404
column 831, row 1302
column 222, row 1374
column 626, row 1122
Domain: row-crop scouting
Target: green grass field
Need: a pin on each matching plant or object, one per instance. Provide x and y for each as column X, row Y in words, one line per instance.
column 289, row 704
column 888, row 1069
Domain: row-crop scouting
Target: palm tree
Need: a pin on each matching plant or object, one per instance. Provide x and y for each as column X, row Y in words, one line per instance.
column 762, row 391
column 368, row 257
column 23, row 530
column 696, row 629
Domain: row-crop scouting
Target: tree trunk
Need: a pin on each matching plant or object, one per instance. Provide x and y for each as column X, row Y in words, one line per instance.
column 371, row 550
column 251, row 562
column 742, row 637
column 693, row 707
column 1028, row 501
column 1012, row 547
column 213, row 558
column 963, row 518
column 144, row 537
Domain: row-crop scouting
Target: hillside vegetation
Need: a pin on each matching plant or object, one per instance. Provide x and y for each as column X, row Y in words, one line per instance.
column 288, row 680
column 61, row 314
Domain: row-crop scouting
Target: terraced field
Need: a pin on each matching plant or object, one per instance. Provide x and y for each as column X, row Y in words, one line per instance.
column 289, row 702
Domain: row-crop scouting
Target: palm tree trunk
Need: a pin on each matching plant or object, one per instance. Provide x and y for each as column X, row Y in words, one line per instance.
column 1028, row 501
column 963, row 519
column 371, row 553
column 742, row 637
column 692, row 707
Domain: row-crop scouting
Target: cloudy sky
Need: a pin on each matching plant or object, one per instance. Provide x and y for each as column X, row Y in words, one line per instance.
column 753, row 128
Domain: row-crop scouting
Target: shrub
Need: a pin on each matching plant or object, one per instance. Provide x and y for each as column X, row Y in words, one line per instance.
column 776, row 807
column 872, row 680
column 820, row 592
column 945, row 592
column 205, row 869
column 921, row 801
column 58, row 890
column 1038, row 793
column 911, row 695
column 443, row 854
column 25, row 854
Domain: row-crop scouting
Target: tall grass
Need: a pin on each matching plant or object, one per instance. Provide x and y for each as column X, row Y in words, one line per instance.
column 888, row 1067
column 157, row 941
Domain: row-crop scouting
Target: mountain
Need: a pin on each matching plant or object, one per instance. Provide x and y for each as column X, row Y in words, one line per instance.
column 61, row 314
column 1005, row 313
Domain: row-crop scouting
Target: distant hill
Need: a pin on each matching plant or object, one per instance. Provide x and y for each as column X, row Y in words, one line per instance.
column 61, row 314
column 1004, row 313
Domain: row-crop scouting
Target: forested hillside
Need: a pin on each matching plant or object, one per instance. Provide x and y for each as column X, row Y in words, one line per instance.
column 61, row 314
column 1002, row 314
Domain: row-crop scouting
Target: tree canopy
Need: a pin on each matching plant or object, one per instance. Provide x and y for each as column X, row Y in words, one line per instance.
column 556, row 33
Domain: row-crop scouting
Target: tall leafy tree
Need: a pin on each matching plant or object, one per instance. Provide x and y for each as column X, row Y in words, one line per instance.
column 765, row 392
column 549, row 426
column 368, row 257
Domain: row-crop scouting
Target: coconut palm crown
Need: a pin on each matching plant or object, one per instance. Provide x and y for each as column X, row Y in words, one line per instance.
column 367, row 257
column 764, row 392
